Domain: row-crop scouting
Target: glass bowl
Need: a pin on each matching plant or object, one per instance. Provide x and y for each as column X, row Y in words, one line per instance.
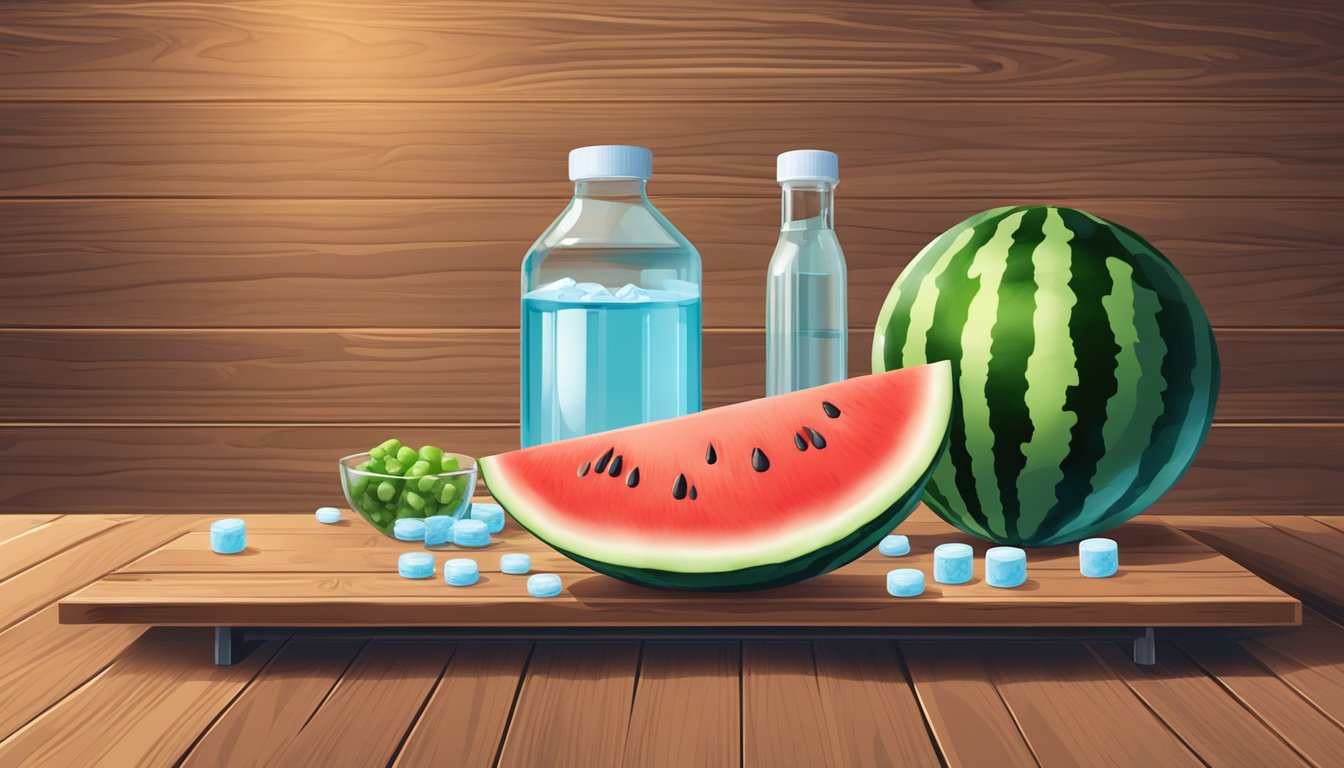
column 382, row 499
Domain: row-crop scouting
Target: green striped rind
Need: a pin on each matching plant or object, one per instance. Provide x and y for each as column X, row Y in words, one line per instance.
column 1085, row 371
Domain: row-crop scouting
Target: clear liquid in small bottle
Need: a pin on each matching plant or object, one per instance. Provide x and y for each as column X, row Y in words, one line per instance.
column 805, row 323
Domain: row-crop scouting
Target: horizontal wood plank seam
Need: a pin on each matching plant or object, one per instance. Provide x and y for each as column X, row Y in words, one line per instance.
column 498, row 329
column 265, row 424
column 1243, row 424
column 55, row 198
column 488, row 198
column 712, row 99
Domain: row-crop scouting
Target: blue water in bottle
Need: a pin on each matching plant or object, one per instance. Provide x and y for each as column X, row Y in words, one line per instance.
column 610, row 308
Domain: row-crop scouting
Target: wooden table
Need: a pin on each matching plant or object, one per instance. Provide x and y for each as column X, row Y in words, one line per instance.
column 298, row 573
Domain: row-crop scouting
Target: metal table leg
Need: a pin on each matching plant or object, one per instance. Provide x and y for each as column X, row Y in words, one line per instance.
column 1145, row 648
column 228, row 646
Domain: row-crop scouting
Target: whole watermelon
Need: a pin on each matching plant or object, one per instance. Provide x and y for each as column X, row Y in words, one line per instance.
column 1084, row 371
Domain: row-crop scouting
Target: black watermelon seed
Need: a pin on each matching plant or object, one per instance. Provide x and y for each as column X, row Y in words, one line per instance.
column 602, row 461
column 632, row 479
column 830, row 410
column 587, row 465
column 710, row 455
column 679, row 487
column 693, row 493
column 615, row 467
column 799, row 441
column 818, row 441
column 759, row 462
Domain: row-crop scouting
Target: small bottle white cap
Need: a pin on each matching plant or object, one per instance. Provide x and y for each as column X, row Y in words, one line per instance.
column 610, row 161
column 808, row 165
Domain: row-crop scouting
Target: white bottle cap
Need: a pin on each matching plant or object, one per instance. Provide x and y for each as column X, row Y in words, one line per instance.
column 610, row 161
column 808, row 165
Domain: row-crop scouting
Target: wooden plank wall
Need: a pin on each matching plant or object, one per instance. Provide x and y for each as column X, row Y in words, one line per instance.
column 238, row 240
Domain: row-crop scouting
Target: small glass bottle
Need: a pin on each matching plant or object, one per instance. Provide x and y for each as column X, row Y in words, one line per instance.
column 805, row 321
column 610, row 307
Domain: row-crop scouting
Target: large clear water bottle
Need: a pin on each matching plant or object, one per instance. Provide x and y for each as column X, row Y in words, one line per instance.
column 805, row 323
column 611, row 307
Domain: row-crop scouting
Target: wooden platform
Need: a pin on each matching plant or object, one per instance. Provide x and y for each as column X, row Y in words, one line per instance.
column 298, row 573
column 122, row 695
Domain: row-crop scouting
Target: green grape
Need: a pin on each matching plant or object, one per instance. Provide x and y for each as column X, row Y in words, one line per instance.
column 431, row 454
column 447, row 493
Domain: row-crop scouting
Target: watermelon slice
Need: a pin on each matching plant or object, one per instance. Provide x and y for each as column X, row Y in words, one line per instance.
column 747, row 496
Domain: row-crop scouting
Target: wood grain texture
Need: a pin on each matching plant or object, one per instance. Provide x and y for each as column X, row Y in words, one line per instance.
column 1310, row 660
column 30, row 590
column 1314, row 532
column 146, row 709
column 955, row 149
column 286, row 468
column 284, row 543
column 869, row 704
column 45, row 660
column 347, row 599
column 14, row 524
column 1175, row 582
column 1336, row 523
column 574, row 706
column 972, row 725
column 640, row 51
column 783, row 714
column 1295, row 565
column 415, row 375
column 340, row 597
column 1191, row 704
column 454, row 263
column 43, row 541
column 1068, row 708
column 206, row 469
column 367, row 715
column 1277, row 704
column 464, row 722
column 269, row 714
column 687, row 707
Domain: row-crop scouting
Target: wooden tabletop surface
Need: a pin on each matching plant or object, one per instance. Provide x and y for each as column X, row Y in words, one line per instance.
column 116, row 694
column 296, row 573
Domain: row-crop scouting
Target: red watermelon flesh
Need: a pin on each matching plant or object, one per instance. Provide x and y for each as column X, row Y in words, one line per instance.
column 751, row 495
